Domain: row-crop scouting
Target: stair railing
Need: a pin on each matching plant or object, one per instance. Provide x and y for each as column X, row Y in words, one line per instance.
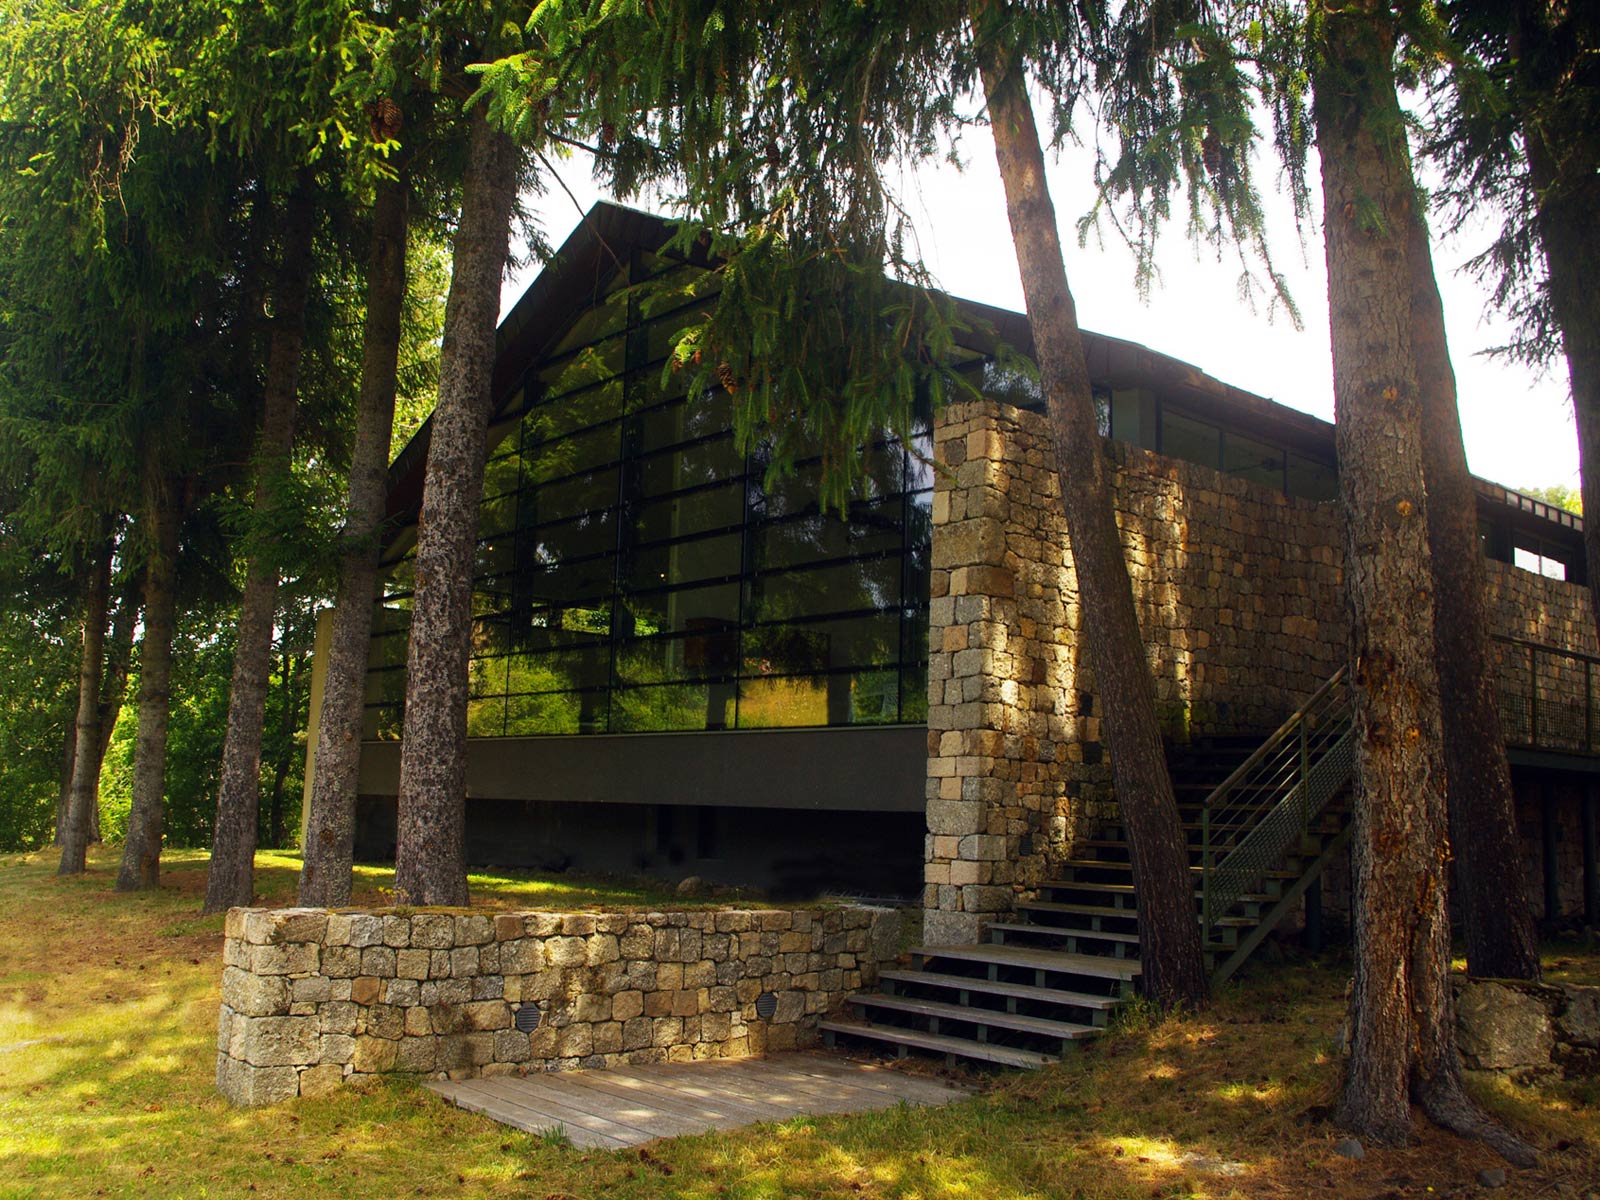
column 1252, row 819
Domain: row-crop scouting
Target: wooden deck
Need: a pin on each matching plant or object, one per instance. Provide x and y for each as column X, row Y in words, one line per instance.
column 628, row 1106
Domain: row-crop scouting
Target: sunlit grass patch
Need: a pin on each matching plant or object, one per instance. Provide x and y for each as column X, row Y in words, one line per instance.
column 108, row 1009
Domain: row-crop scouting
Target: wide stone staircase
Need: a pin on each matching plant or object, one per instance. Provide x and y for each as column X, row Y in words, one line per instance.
column 1262, row 819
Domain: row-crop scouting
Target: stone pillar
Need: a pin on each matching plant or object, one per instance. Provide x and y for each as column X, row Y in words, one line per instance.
column 993, row 786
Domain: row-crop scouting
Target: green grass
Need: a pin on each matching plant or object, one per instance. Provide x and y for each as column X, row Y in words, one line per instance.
column 107, row 1030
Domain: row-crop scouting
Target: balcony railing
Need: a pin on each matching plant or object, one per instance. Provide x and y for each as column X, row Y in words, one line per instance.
column 1547, row 696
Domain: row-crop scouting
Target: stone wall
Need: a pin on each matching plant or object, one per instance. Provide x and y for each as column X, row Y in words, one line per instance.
column 312, row 998
column 1240, row 597
column 1502, row 1025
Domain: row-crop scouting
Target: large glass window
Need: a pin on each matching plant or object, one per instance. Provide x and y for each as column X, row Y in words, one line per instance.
column 636, row 573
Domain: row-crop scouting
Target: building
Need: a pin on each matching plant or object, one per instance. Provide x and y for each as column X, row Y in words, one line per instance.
column 678, row 669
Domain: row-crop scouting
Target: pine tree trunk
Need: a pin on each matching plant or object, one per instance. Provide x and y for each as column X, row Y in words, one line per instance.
column 430, row 853
column 1566, row 180
column 69, row 756
column 141, row 853
column 325, row 876
column 231, row 880
column 85, row 769
column 1169, row 935
column 280, row 769
column 1491, row 888
column 1403, row 1041
column 119, row 658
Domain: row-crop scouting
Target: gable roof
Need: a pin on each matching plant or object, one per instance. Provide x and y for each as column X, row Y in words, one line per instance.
column 609, row 233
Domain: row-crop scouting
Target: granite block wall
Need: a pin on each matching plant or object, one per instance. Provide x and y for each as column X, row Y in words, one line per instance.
column 1240, row 596
column 313, row 998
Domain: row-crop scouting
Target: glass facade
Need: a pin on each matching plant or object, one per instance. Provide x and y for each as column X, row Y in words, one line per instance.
column 635, row 572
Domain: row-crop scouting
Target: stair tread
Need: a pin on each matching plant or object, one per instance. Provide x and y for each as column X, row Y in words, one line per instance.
column 978, row 1016
column 1035, row 959
column 1082, row 910
column 1113, row 864
column 1063, row 931
column 1006, row 1056
column 997, row 987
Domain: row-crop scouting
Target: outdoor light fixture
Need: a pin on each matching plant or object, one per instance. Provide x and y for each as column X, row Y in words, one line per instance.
column 527, row 1018
column 766, row 1005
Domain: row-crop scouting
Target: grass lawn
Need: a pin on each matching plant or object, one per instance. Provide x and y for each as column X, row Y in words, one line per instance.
column 107, row 1044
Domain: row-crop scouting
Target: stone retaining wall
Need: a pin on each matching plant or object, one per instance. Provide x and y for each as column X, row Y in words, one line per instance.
column 312, row 998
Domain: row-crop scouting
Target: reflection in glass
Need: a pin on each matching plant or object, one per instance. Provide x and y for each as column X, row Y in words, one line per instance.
column 636, row 572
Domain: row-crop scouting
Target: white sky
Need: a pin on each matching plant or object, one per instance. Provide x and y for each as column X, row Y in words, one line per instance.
column 1518, row 426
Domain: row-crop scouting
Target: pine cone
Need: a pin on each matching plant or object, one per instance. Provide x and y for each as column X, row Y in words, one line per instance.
column 385, row 119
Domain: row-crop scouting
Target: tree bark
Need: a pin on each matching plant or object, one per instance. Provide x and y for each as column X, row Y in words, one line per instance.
column 1403, row 1043
column 325, row 876
column 1565, row 170
column 430, row 854
column 69, row 757
column 85, row 770
column 1491, row 888
column 1169, row 934
column 119, row 658
column 141, row 853
column 231, row 880
column 280, row 769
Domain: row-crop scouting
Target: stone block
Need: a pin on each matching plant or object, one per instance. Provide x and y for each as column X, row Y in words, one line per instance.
column 402, row 993
column 1579, row 1022
column 295, row 958
column 637, row 943
column 337, row 1016
column 474, row 930
column 411, row 964
column 592, row 1007
column 416, row 1055
column 276, row 1041
column 464, row 962
column 578, row 924
column 608, row 1038
column 312, row 989
column 603, row 948
column 955, row 817
column 509, row 927
column 365, row 990
column 1503, row 1027
column 378, row 961
column 319, row 1081
column 417, row 1022
column 365, row 930
column 521, row 956
column 374, row 1054
column 638, row 1033
column 338, row 1048
column 255, row 995
column 341, row 962
column 436, row 931
column 386, row 1021
column 511, row 1047
column 791, row 1007
column 489, row 987
column 396, row 932
column 276, row 927
column 575, row 1041
column 567, row 951
column 627, row 1004
column 942, row 927
column 251, row 1087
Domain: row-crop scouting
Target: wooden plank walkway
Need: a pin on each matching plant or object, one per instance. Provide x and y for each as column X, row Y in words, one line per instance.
column 628, row 1106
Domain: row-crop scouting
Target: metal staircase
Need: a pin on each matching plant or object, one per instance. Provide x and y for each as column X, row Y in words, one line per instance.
column 1262, row 822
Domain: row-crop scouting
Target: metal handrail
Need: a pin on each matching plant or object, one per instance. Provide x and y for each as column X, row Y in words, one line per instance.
column 1545, row 719
column 1289, row 778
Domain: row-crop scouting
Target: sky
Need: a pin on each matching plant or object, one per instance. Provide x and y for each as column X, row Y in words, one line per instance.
column 1517, row 423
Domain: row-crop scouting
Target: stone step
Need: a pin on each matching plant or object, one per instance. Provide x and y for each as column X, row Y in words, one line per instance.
column 904, row 1039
